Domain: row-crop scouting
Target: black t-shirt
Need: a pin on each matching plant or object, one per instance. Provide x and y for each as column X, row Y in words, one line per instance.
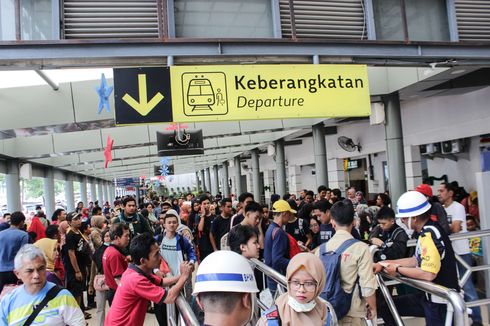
column 298, row 229
column 238, row 219
column 204, row 242
column 219, row 227
column 75, row 241
column 326, row 232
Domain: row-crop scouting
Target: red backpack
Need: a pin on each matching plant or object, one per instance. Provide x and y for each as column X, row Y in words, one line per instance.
column 294, row 248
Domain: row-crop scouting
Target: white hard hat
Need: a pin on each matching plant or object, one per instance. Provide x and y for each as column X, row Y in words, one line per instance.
column 225, row 271
column 412, row 203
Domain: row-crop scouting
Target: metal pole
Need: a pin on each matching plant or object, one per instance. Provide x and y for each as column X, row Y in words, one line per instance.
column 320, row 152
column 226, row 186
column 280, row 167
column 394, row 146
column 238, row 172
column 12, row 181
column 256, row 174
column 48, row 80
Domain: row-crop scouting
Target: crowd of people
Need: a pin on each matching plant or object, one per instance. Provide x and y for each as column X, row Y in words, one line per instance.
column 137, row 257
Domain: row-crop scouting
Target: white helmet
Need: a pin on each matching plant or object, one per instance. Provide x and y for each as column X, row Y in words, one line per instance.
column 225, row 271
column 412, row 203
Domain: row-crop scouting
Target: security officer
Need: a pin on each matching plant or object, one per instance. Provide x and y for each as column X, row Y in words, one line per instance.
column 225, row 288
column 433, row 261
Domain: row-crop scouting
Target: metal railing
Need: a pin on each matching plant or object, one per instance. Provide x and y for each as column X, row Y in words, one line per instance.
column 282, row 286
column 458, row 313
column 185, row 315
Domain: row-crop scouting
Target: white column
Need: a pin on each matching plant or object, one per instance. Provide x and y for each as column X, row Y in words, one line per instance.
column 12, row 183
column 413, row 167
column 49, row 201
column 336, row 174
column 69, row 194
column 83, row 190
column 294, row 175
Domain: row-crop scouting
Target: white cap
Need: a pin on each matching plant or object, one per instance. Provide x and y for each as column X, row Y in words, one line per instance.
column 225, row 271
column 412, row 203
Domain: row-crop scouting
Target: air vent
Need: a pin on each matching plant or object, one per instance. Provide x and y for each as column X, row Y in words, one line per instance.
column 473, row 17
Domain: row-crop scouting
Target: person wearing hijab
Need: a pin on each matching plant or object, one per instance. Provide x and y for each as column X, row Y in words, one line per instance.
column 301, row 305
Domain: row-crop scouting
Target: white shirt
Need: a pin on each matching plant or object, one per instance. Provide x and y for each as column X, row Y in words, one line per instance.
column 456, row 212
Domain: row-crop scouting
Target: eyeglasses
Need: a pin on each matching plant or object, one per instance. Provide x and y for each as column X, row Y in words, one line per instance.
column 308, row 286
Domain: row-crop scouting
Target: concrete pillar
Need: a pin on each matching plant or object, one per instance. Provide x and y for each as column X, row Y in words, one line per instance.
column 49, row 201
column 294, row 177
column 280, row 168
column 256, row 174
column 394, row 146
column 83, row 191
column 226, row 186
column 100, row 192
column 203, row 181
column 268, row 185
column 215, row 180
column 198, row 182
column 12, row 183
column 336, row 174
column 69, row 193
column 106, row 191
column 413, row 166
column 93, row 190
column 207, row 176
column 238, row 176
column 320, row 152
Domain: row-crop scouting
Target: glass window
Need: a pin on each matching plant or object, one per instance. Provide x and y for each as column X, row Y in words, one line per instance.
column 36, row 20
column 7, row 20
column 426, row 19
column 223, row 18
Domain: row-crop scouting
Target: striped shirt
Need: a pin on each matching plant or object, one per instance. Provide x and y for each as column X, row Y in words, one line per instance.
column 18, row 305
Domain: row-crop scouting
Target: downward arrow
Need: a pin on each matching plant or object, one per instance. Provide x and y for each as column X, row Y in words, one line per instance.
column 143, row 107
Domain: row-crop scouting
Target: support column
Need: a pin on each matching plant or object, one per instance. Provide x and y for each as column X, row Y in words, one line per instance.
column 336, row 173
column 294, row 177
column 49, row 201
column 413, row 166
column 93, row 191
column 203, row 181
column 483, row 188
column 207, row 176
column 99, row 192
column 256, row 175
column 238, row 179
column 106, row 191
column 69, row 193
column 280, row 168
column 226, row 186
column 394, row 146
column 215, row 181
column 198, row 182
column 321, row 171
column 12, row 183
column 83, row 191
column 268, row 185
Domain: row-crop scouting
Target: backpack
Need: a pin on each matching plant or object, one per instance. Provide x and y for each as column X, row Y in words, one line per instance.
column 333, row 292
column 294, row 248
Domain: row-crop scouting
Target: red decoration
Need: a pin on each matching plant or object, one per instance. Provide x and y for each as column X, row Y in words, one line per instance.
column 173, row 126
column 108, row 151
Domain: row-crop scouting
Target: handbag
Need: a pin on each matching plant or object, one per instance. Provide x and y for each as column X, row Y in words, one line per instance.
column 99, row 283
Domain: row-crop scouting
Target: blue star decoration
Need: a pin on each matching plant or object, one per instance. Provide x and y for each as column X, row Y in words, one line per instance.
column 164, row 162
column 104, row 91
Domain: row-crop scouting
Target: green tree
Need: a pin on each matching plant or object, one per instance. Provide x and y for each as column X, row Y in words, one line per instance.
column 34, row 188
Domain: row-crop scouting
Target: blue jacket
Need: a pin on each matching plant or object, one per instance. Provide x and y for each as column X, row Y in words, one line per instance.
column 185, row 247
column 276, row 250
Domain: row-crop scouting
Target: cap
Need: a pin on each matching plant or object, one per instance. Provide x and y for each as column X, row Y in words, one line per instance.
column 473, row 195
column 412, row 203
column 282, row 206
column 172, row 212
column 424, row 189
column 167, row 203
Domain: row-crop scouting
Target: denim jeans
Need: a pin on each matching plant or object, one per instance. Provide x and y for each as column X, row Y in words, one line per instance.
column 414, row 305
column 469, row 289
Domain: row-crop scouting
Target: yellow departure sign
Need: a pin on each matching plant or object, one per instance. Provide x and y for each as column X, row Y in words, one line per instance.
column 249, row 92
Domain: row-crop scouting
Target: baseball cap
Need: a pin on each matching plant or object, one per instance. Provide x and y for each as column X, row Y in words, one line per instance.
column 424, row 189
column 282, row 206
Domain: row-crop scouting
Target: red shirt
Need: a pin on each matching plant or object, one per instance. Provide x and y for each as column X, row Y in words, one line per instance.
column 131, row 299
column 114, row 264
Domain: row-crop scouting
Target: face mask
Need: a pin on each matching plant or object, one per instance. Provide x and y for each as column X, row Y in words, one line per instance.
column 107, row 243
column 301, row 307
